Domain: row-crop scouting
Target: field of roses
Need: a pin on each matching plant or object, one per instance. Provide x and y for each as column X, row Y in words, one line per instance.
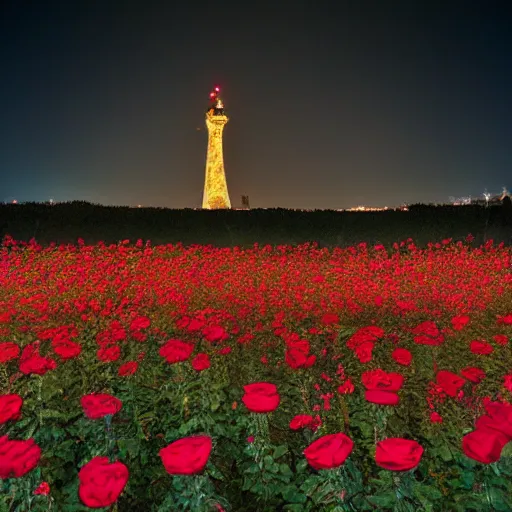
column 162, row 378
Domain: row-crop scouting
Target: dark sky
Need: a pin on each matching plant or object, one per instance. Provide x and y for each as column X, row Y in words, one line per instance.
column 331, row 103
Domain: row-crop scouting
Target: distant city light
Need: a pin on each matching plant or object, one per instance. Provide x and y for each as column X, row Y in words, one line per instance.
column 366, row 209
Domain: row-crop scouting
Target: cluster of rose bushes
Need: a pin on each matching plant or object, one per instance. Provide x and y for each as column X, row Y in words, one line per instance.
column 291, row 378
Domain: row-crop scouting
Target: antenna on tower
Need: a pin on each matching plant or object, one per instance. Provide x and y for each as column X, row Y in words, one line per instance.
column 216, row 107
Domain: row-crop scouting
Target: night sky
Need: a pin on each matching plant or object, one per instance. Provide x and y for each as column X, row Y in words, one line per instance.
column 331, row 103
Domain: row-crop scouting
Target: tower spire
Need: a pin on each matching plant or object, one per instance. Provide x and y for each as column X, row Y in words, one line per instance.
column 215, row 186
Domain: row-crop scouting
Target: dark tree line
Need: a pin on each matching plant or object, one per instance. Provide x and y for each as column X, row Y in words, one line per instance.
column 66, row 222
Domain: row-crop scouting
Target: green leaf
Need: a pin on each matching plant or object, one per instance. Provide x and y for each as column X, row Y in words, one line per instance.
column 280, row 451
column 293, row 495
column 284, row 469
column 499, row 500
column 386, row 499
column 444, row 452
column 427, row 491
column 128, row 447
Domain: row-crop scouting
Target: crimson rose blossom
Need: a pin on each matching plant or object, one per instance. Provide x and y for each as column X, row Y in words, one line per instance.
column 101, row 482
column 17, row 458
column 329, row 319
column 346, row 388
column 99, row 405
column 376, row 396
column 109, row 354
column 402, row 356
column 10, row 407
column 364, row 351
column 475, row 375
column 201, row 362
column 329, row 451
column 500, row 339
column 449, row 382
column 382, row 386
column 215, row 333
column 498, row 419
column 186, row 456
column 435, row 417
column 43, row 489
column 481, row 347
column 296, row 358
column 397, row 454
column 32, row 362
column 507, row 382
column 483, row 445
column 459, row 322
column 176, row 351
column 8, row 351
column 140, row 322
column 261, row 397
column 128, row 368
column 66, row 349
column 301, row 421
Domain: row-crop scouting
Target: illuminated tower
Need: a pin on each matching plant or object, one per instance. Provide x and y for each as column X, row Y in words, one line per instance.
column 215, row 186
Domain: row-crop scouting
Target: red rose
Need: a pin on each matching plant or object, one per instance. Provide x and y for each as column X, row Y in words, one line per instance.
column 329, row 451
column 498, row 419
column 397, row 454
column 473, row 374
column 186, row 456
column 483, row 445
column 346, row 388
column 377, row 396
column 261, row 397
column 329, row 319
column 43, row 489
column 8, row 351
column 428, row 328
column 301, row 421
column 500, row 339
column 459, row 322
column 201, row 362
column 101, row 482
column 296, row 358
column 364, row 351
column 128, row 368
column 373, row 330
column 507, row 319
column 17, row 458
column 66, row 349
column 10, row 407
column 449, row 382
column 108, row 354
column 139, row 336
column 32, row 362
column 423, row 339
column 402, row 356
column 215, row 333
column 195, row 324
column 435, row 417
column 370, row 333
column 380, row 380
column 293, row 342
column 140, row 322
column 481, row 347
column 98, row 405
column 176, row 351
